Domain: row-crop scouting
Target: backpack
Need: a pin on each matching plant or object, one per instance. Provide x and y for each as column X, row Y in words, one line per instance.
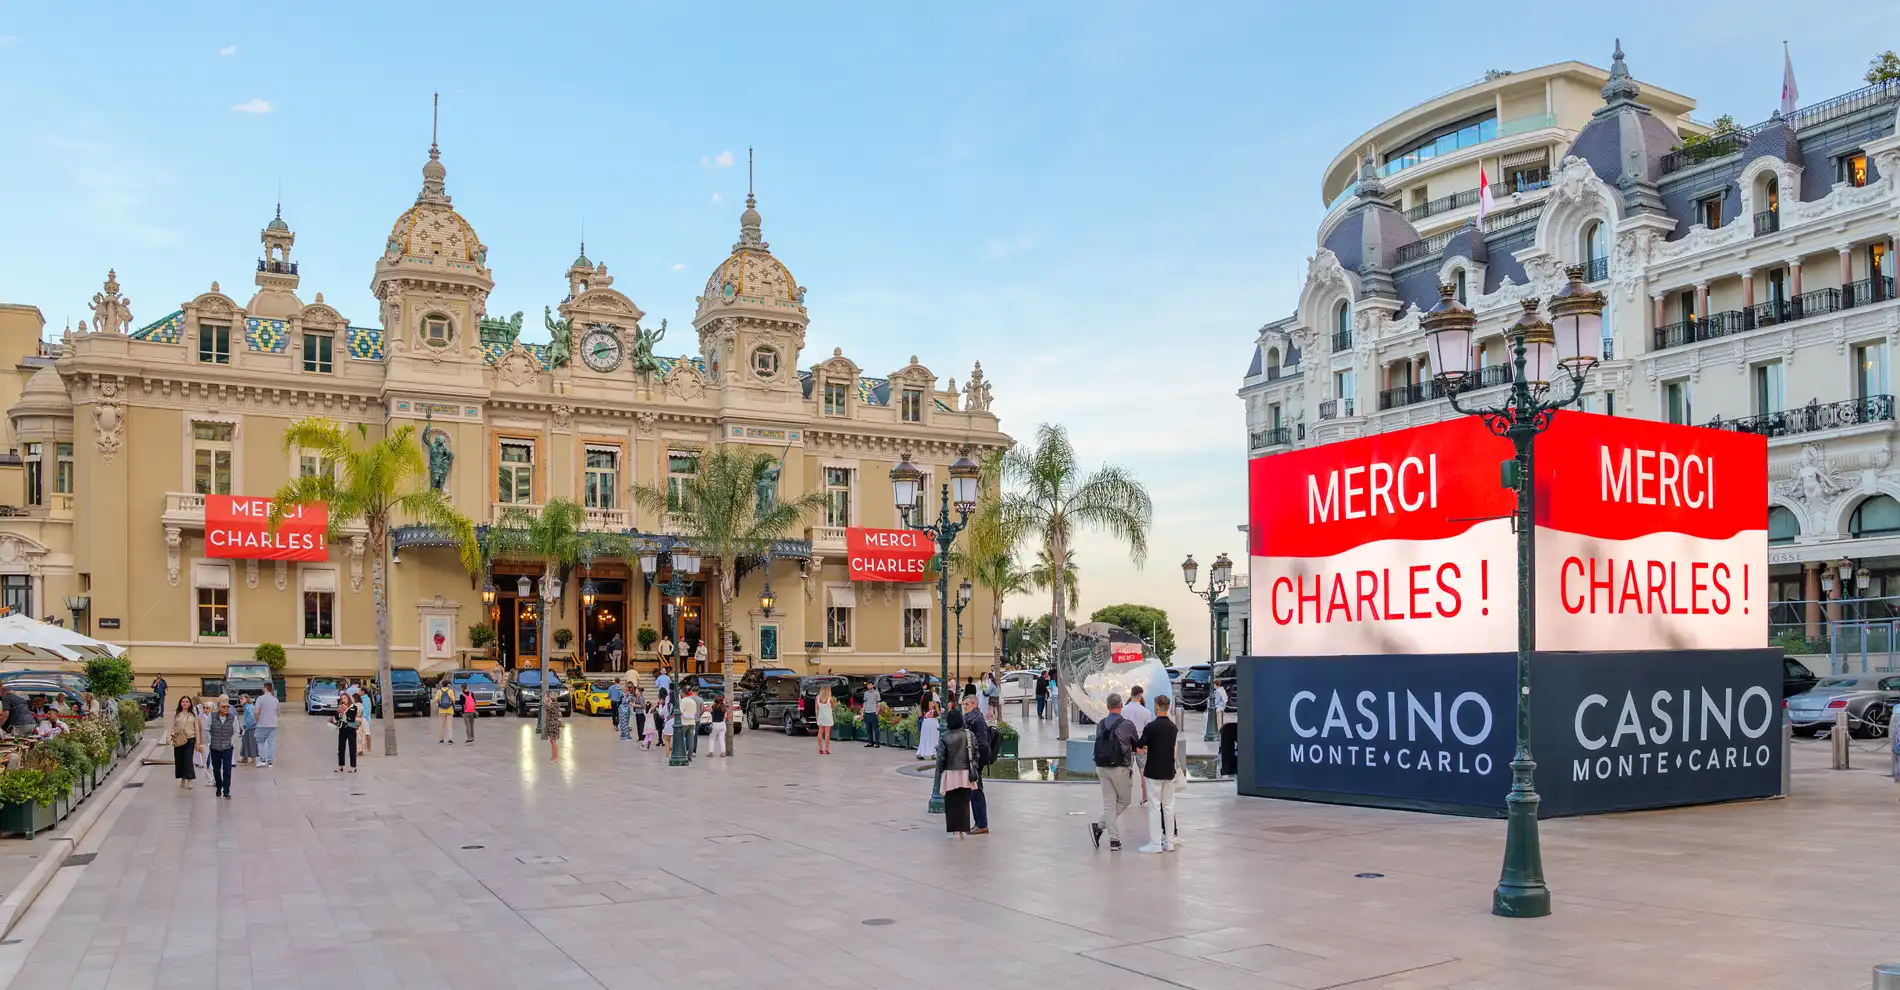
column 993, row 745
column 1108, row 749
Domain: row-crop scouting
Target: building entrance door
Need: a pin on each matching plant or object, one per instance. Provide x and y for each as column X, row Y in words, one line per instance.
column 690, row 611
column 602, row 629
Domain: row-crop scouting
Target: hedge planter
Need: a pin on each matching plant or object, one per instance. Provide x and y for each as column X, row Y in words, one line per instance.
column 1009, row 746
column 27, row 819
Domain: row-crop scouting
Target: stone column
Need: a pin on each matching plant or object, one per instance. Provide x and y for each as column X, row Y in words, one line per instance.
column 1748, row 289
column 1847, row 276
column 1794, row 277
column 1811, row 593
column 1702, row 300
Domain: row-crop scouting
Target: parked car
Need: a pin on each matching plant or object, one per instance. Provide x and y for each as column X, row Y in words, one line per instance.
column 319, row 696
column 246, row 679
column 594, row 699
column 523, row 692
column 147, row 702
column 752, row 680
column 1196, row 683
column 488, row 695
column 705, row 685
column 1868, row 699
column 1018, row 685
column 412, row 696
column 1796, row 678
column 791, row 703
column 67, row 678
column 902, row 692
column 34, row 687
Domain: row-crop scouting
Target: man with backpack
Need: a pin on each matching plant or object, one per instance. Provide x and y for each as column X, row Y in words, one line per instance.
column 988, row 741
column 1114, row 766
column 445, row 706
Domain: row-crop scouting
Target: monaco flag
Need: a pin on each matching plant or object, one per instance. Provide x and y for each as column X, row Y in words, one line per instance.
column 1485, row 202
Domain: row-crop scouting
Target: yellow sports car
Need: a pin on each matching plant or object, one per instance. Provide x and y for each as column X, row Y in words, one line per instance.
column 593, row 700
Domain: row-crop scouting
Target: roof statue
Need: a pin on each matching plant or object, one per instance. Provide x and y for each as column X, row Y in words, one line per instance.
column 111, row 312
column 643, row 340
column 560, row 339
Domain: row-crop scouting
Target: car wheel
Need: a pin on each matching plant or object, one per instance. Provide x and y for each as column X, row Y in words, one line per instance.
column 1874, row 721
column 751, row 719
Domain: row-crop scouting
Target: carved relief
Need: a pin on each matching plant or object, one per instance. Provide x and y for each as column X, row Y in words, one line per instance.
column 976, row 393
column 562, row 414
column 519, row 368
column 684, row 382
column 813, row 568
column 356, row 563
column 646, row 419
column 108, row 420
column 250, row 573
column 174, row 541
column 283, row 574
column 1814, row 484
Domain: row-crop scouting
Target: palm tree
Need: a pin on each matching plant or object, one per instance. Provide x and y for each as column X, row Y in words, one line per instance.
column 1042, row 577
column 1051, row 498
column 377, row 482
column 555, row 536
column 988, row 555
column 733, row 513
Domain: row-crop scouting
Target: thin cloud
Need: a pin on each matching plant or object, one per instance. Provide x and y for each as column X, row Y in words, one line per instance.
column 719, row 197
column 720, row 160
column 227, row 51
column 254, row 105
column 679, row 267
column 8, row 39
column 1004, row 247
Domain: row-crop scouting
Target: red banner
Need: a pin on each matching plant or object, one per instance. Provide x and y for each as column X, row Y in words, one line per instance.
column 239, row 528
column 899, row 555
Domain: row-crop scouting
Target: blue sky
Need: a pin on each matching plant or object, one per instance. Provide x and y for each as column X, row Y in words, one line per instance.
column 1100, row 201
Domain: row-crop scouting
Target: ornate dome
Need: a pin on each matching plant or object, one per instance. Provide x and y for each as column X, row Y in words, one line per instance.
column 431, row 231
column 751, row 277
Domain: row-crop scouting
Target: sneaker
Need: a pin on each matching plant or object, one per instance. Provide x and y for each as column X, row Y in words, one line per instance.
column 1095, row 832
column 1114, row 846
column 979, row 831
column 1150, row 848
column 1167, row 847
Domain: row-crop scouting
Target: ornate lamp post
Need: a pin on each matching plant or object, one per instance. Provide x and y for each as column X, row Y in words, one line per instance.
column 767, row 600
column 1549, row 365
column 681, row 561
column 963, row 602
column 962, row 489
column 1217, row 578
column 550, row 593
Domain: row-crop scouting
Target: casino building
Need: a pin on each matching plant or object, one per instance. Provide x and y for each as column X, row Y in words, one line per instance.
column 122, row 427
column 1748, row 273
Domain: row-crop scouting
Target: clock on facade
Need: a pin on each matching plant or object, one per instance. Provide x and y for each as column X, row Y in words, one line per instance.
column 601, row 349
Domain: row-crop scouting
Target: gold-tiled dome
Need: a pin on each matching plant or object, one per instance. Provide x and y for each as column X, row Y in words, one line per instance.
column 751, row 276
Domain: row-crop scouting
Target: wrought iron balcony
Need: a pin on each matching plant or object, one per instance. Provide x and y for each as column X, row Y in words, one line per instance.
column 1487, row 377
column 1598, row 269
column 1335, row 408
column 1342, row 340
column 1408, row 395
column 1716, row 146
column 1767, row 222
column 1813, row 417
column 1702, row 328
column 277, row 267
column 1866, row 292
column 1278, row 372
column 1443, row 204
column 1278, row 436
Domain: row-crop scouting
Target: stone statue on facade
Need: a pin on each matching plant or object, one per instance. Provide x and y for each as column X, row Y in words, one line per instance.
column 1812, row 483
column 560, row 339
column 976, row 392
column 435, row 441
column 111, row 311
column 643, row 341
column 766, row 489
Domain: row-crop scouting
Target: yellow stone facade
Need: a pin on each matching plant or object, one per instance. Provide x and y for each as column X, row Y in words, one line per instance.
column 119, row 428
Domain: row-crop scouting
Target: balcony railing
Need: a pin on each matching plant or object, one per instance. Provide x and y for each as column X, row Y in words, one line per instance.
column 1840, row 106
column 1716, row 146
column 1342, row 340
column 496, row 509
column 1335, row 408
column 1598, row 269
column 1407, row 395
column 1708, row 327
column 1443, row 204
column 1767, row 222
column 608, row 520
column 277, row 267
column 1813, row 417
column 1487, row 377
column 1422, row 249
column 1278, row 436
column 1866, row 292
column 1278, row 372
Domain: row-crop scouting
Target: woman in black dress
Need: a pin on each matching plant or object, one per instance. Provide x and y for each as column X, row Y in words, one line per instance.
column 183, row 736
column 347, row 724
column 956, row 761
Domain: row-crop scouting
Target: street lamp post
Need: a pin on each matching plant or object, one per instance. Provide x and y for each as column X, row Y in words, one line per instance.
column 963, row 602
column 962, row 489
column 1218, row 577
column 681, row 560
column 549, row 592
column 1549, row 365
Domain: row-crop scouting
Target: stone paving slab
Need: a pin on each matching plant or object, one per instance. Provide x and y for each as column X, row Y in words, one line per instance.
column 779, row 868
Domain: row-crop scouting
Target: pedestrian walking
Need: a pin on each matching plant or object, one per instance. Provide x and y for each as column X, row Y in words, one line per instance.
column 824, row 720
column 1114, row 752
column 663, row 684
column 347, row 726
column 158, row 688
column 623, row 714
column 990, row 702
column 637, row 701
column 444, row 712
column 718, row 726
column 929, row 729
column 224, row 727
column 663, row 714
column 551, row 726
column 650, row 728
column 204, row 730
column 1217, row 708
column 870, row 712
column 1138, row 716
column 184, row 737
column 1155, row 746
column 469, row 714
column 617, row 696
column 267, row 729
column 689, row 720
column 365, row 712
column 1042, row 696
column 981, row 736
column 247, row 750
column 956, row 763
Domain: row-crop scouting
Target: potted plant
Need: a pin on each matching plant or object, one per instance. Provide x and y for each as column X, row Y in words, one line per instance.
column 1010, row 739
column 563, row 638
column 481, row 636
column 131, row 723
column 646, row 637
column 273, row 654
column 27, row 802
column 845, row 723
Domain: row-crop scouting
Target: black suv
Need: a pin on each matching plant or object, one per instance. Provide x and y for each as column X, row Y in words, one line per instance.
column 902, row 693
column 791, row 703
column 752, row 680
column 1194, row 687
column 523, row 692
column 1227, row 676
column 412, row 696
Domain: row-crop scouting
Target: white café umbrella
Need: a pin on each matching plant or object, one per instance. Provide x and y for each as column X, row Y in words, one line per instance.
column 23, row 638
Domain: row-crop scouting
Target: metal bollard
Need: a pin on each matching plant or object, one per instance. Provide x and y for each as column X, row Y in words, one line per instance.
column 1887, row 976
column 1839, row 738
column 1787, row 758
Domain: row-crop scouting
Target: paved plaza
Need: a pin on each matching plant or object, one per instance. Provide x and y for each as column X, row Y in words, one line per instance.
column 486, row 866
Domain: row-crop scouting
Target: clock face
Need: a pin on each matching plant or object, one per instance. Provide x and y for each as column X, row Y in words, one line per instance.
column 601, row 350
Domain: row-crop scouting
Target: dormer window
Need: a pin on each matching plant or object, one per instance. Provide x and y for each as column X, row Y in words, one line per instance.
column 437, row 331
column 1708, row 211
column 1458, row 283
column 214, row 344
column 318, row 352
column 1852, row 169
column 835, row 396
column 765, row 363
column 911, row 405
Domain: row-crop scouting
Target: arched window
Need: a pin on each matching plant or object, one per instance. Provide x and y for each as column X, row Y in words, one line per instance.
column 1342, row 326
column 1273, row 362
column 1596, row 251
column 1458, row 282
column 1874, row 516
column 1783, row 527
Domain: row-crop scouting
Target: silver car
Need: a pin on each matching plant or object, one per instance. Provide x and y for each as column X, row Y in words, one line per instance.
column 1868, row 699
column 319, row 696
